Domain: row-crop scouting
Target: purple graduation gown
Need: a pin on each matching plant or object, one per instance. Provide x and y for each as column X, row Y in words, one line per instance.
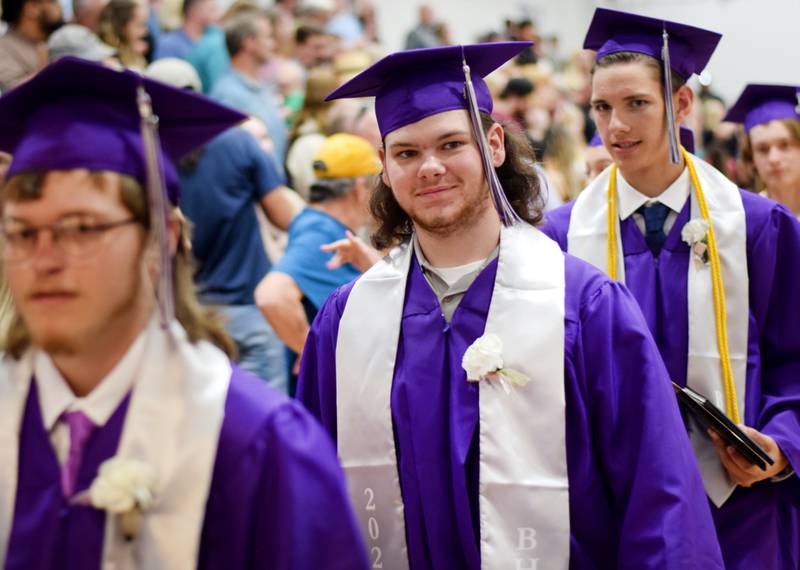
column 277, row 498
column 757, row 527
column 636, row 499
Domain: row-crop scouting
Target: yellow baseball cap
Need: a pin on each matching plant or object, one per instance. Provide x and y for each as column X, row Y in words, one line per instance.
column 346, row 156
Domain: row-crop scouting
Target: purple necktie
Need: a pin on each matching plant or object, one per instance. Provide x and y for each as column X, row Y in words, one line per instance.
column 80, row 428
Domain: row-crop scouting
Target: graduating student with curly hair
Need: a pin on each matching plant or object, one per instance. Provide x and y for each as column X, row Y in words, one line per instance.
column 496, row 403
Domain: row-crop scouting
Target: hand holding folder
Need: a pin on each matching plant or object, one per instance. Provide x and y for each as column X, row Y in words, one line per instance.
column 711, row 417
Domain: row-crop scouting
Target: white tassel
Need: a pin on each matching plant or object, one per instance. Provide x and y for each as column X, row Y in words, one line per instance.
column 672, row 137
column 159, row 208
column 507, row 214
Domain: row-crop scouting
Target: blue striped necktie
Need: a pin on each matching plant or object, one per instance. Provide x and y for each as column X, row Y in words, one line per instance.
column 654, row 218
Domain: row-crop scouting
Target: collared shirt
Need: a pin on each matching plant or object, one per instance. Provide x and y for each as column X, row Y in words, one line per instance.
column 56, row 397
column 674, row 197
column 450, row 296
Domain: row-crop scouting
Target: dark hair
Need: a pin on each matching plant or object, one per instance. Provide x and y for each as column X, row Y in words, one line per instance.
column 325, row 189
column 517, row 87
column 187, row 5
column 517, row 175
column 12, row 11
column 200, row 322
column 635, row 56
column 306, row 31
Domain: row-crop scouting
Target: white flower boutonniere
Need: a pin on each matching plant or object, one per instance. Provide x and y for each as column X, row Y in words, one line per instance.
column 483, row 360
column 124, row 487
column 695, row 234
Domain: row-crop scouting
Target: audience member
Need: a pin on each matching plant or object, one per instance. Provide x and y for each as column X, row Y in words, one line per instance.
column 345, row 25
column 290, row 80
column 597, row 158
column 123, row 26
column 23, row 50
column 198, row 17
column 291, row 294
column 220, row 185
column 87, row 13
column 513, row 102
column 318, row 12
column 424, row 35
column 312, row 46
column 249, row 40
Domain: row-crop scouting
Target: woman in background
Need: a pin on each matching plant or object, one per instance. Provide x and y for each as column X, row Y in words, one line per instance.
column 123, row 25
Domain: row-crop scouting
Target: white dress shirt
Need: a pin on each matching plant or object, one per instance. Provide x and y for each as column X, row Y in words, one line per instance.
column 56, row 397
column 674, row 197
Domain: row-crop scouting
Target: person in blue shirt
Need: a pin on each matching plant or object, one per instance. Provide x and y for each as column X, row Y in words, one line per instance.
column 222, row 185
column 198, row 17
column 291, row 294
column 251, row 46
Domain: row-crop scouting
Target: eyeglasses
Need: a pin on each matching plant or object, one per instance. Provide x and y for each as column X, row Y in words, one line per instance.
column 71, row 236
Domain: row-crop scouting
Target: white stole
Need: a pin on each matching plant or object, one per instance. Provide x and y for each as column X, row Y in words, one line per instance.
column 587, row 238
column 173, row 423
column 523, row 485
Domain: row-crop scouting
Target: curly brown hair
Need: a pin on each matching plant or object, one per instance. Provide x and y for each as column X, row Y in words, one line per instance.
column 517, row 175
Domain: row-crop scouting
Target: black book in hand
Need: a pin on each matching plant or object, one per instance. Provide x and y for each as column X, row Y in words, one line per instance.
column 710, row 416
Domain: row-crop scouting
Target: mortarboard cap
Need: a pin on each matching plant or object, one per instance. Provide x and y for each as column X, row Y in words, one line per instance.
column 411, row 85
column 79, row 114
column 612, row 31
column 760, row 104
column 680, row 48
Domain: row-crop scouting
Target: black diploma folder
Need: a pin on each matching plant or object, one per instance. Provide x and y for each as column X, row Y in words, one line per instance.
column 710, row 416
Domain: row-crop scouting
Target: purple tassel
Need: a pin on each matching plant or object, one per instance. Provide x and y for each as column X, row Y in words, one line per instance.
column 672, row 137
column 507, row 214
column 159, row 208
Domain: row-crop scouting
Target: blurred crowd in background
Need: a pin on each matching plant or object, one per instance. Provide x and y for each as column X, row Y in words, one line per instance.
column 303, row 49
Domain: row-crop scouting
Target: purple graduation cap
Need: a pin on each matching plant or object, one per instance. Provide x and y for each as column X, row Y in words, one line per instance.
column 411, row 85
column 684, row 49
column 760, row 104
column 79, row 114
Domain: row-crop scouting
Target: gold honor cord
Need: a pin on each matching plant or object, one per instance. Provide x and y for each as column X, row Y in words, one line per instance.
column 612, row 223
column 718, row 287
